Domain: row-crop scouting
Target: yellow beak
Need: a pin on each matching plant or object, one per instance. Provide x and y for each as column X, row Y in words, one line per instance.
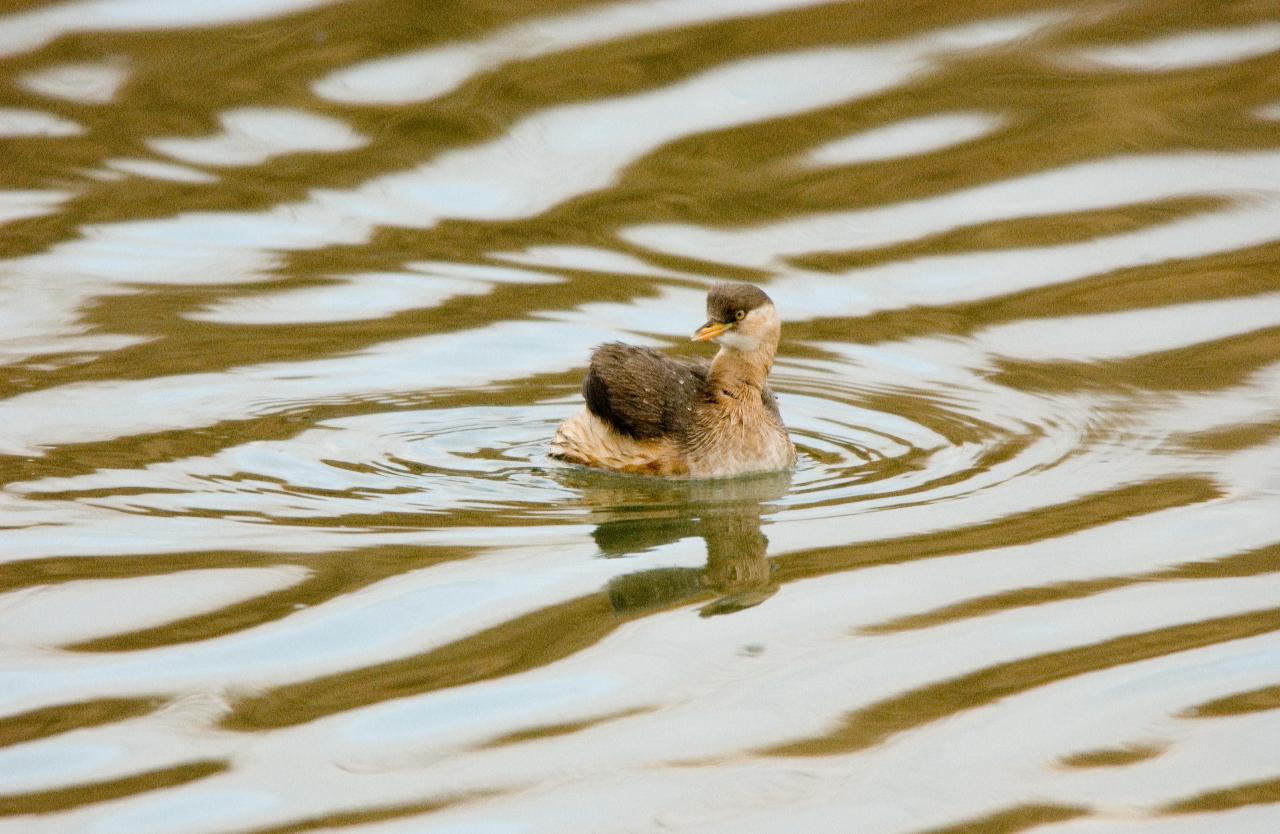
column 710, row 330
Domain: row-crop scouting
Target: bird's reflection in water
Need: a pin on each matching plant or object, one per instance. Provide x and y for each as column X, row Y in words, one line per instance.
column 634, row 515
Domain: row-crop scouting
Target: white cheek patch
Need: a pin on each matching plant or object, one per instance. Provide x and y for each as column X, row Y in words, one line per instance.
column 738, row 341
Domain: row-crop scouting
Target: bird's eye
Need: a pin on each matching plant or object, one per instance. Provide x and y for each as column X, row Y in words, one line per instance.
column 740, row 314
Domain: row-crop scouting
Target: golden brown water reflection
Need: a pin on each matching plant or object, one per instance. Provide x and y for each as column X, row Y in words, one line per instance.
column 293, row 294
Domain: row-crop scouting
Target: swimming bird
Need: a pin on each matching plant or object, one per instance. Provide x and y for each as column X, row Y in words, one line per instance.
column 651, row 414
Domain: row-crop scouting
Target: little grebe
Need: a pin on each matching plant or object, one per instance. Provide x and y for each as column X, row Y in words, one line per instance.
column 650, row 414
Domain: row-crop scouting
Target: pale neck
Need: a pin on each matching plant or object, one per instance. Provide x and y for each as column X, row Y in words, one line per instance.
column 735, row 371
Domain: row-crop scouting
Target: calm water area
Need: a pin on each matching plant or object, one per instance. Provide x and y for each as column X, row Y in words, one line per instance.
column 293, row 294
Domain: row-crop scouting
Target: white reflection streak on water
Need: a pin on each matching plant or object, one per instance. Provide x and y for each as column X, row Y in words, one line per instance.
column 506, row 350
column 122, row 749
column 87, row 83
column 369, row 295
column 591, row 259
column 252, row 135
column 1096, row 184
column 1131, row 333
column 949, row 279
column 409, row 613
column 32, row 311
column 15, row 121
column 16, row 205
column 1189, row 49
column 1253, row 402
column 426, row 74
column 28, row 30
column 906, row 138
column 365, row 296
column 85, row 609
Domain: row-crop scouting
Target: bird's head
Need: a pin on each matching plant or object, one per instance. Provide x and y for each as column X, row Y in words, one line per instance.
column 739, row 317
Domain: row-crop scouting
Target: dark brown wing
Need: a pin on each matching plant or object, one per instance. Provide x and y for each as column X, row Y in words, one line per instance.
column 642, row 393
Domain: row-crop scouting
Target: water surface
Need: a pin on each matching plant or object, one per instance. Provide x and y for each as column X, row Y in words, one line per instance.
column 294, row 293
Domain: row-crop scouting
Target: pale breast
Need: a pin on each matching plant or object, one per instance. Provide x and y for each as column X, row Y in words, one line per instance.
column 738, row 440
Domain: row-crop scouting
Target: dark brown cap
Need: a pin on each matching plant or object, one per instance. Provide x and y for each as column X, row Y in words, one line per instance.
column 725, row 299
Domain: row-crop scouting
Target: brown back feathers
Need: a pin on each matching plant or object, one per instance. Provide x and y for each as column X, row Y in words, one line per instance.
column 641, row 393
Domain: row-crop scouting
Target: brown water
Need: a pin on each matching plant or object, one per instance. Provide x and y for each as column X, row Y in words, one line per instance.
column 293, row 294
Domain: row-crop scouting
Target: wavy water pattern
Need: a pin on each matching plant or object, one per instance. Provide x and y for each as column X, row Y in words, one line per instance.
column 293, row 294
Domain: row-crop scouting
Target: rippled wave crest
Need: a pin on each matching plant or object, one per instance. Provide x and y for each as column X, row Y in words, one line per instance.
column 293, row 294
